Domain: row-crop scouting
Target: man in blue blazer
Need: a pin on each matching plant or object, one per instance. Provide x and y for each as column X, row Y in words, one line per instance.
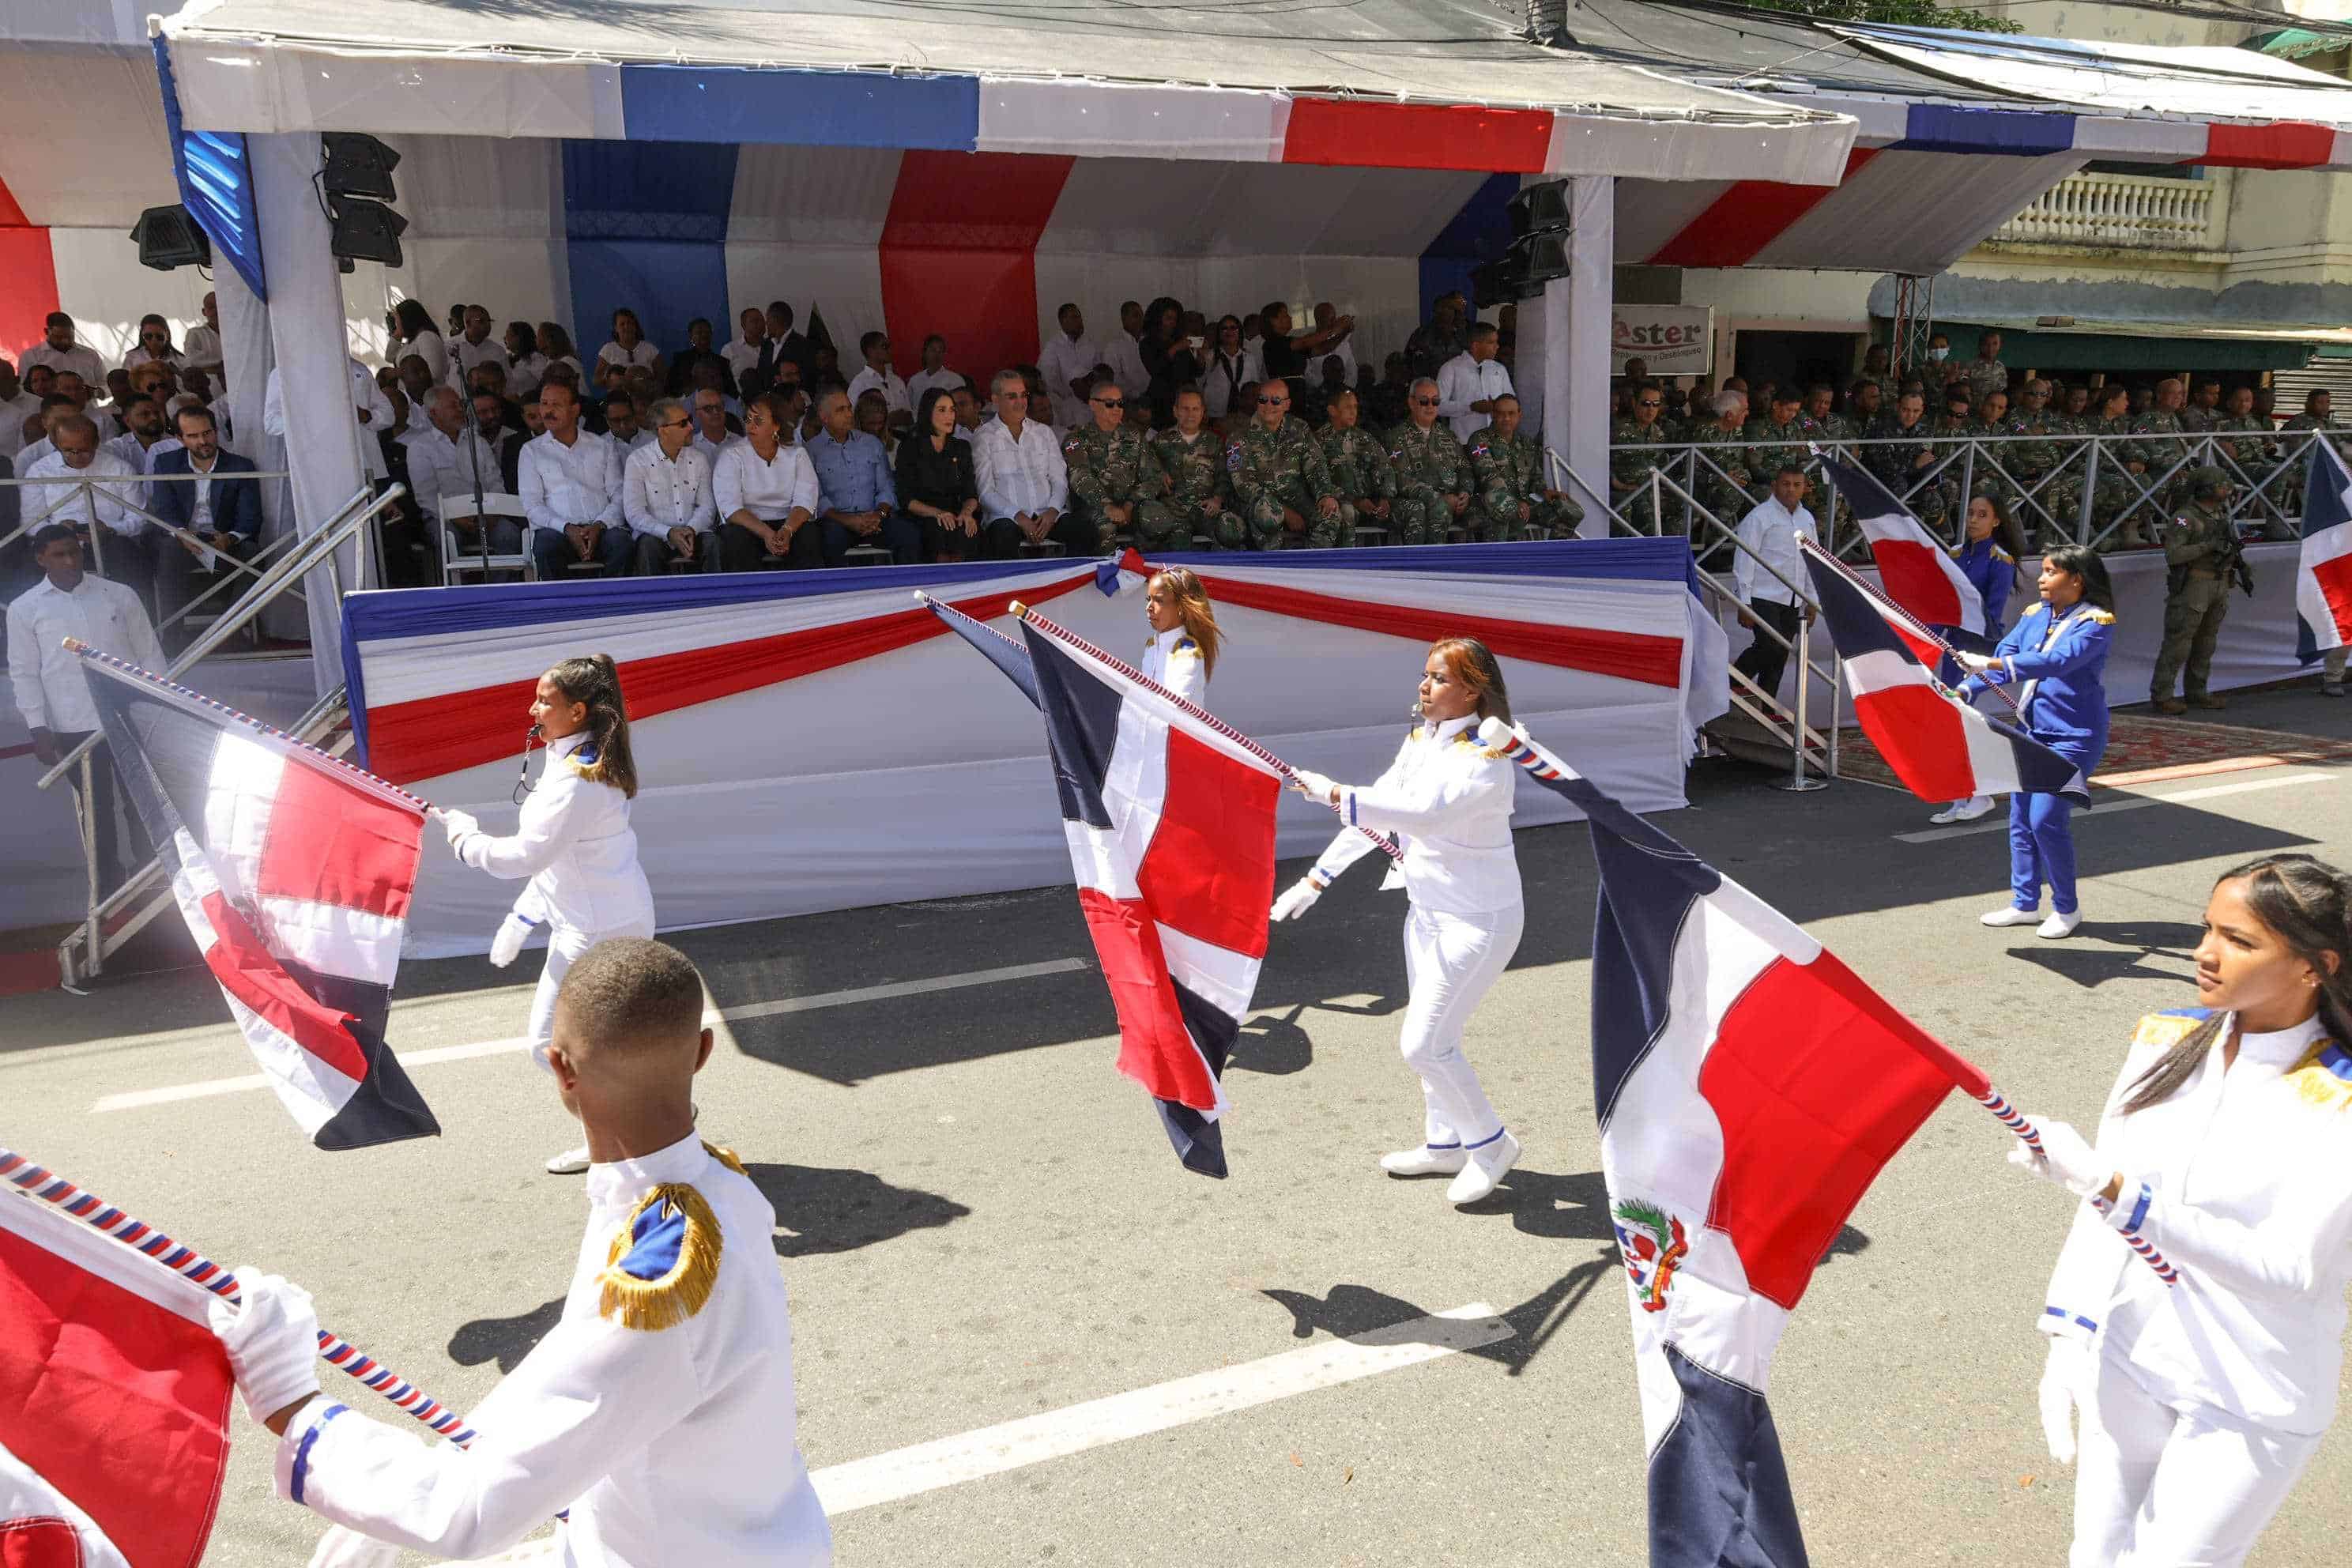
column 219, row 508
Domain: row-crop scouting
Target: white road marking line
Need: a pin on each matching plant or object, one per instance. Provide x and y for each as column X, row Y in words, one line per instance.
column 2110, row 806
column 716, row 1019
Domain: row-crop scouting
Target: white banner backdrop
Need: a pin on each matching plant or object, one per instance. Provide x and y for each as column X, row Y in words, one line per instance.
column 1670, row 340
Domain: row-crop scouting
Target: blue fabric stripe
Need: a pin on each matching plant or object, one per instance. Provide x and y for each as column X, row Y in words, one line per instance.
column 814, row 108
column 1480, row 232
column 2139, row 1210
column 216, row 180
column 2011, row 132
column 645, row 225
column 1634, row 560
column 303, row 1449
column 2064, row 1316
column 1481, row 1143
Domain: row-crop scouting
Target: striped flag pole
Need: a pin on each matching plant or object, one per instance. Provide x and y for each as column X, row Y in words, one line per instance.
column 96, row 1212
column 1919, row 627
column 1993, row 1101
column 1063, row 634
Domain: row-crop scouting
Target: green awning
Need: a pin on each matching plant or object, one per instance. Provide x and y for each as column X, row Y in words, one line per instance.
column 2296, row 43
column 2136, row 346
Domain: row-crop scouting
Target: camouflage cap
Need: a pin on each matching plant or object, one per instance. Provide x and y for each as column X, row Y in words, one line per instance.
column 2207, row 480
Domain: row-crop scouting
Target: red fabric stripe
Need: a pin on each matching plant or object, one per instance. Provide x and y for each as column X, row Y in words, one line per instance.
column 48, row 1543
column 28, row 281
column 1209, row 871
column 1630, row 655
column 1920, row 736
column 121, row 1404
column 2335, row 579
column 1746, row 218
column 1912, row 574
column 429, row 736
column 2285, row 144
column 957, row 255
column 1155, row 1049
column 1418, row 136
column 247, row 972
column 331, row 842
column 1816, row 1083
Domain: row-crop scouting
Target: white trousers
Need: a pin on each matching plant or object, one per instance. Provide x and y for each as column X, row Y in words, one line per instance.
column 2160, row 1488
column 564, row 945
column 1450, row 961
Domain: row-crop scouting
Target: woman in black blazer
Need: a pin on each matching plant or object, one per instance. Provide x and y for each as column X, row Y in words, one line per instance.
column 936, row 482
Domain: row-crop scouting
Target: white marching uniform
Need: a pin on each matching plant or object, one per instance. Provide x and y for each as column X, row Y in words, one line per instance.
column 2210, row 1395
column 1449, row 801
column 1173, row 660
column 659, row 1409
column 575, row 844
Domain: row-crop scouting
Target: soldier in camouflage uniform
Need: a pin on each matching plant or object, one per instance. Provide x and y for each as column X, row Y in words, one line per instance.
column 1821, row 407
column 1200, row 500
column 2033, row 462
column 1115, row 481
column 1637, row 445
column 2252, row 450
column 1726, row 470
column 1786, row 433
column 1990, row 474
column 2157, row 446
column 2314, row 417
column 1434, row 485
column 1358, row 465
column 1899, row 454
column 1279, row 482
column 1513, row 492
column 1955, row 423
column 2203, row 410
column 2202, row 554
column 2115, row 489
column 1984, row 375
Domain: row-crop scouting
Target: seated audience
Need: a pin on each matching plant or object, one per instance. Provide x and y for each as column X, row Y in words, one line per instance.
column 629, row 349
column 572, row 492
column 18, row 407
column 696, row 354
column 213, row 512
column 859, row 503
column 1024, row 488
column 56, row 408
column 555, row 343
column 878, row 376
column 1231, row 368
column 873, row 416
column 474, row 347
column 60, row 353
column 968, row 411
column 667, row 495
column 202, row 347
column 766, row 492
column 143, row 422
column 413, row 333
column 526, row 366
column 621, row 423
column 1066, row 363
column 714, row 432
column 154, row 344
column 752, row 357
column 935, row 480
column 934, row 372
column 450, row 461
column 125, row 552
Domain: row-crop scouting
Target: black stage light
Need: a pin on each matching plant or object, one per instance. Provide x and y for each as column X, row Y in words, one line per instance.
column 171, row 237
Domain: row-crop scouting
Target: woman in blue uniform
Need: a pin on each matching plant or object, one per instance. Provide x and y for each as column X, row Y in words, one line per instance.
column 1989, row 560
column 2054, row 655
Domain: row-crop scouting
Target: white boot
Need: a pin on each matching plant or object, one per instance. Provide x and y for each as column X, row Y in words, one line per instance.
column 2058, row 926
column 2010, row 915
column 1426, row 1161
column 571, row 1162
column 1967, row 810
column 1485, row 1171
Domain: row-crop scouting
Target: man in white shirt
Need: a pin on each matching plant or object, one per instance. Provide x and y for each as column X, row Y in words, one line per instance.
column 1024, row 486
column 53, row 695
column 1470, row 382
column 125, row 554
column 878, row 376
column 61, row 353
column 570, row 487
column 445, row 457
column 369, row 405
column 935, row 372
column 1066, row 362
column 745, row 355
column 1342, row 347
column 202, row 347
column 17, row 405
column 767, row 495
column 1770, row 531
column 1124, row 353
column 624, row 422
column 666, row 496
column 711, row 437
column 473, row 346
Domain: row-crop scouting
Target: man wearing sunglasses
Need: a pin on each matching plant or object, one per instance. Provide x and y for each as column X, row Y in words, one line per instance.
column 1115, row 480
column 1433, row 477
column 1280, row 481
column 1637, row 443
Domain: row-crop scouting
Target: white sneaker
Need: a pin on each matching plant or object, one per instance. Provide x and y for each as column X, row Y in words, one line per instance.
column 1969, row 810
column 2058, row 925
column 1485, row 1171
column 2331, row 688
column 1425, row 1161
column 571, row 1162
column 2008, row 915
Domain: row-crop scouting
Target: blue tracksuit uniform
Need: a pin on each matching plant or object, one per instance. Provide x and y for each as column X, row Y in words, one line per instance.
column 2058, row 658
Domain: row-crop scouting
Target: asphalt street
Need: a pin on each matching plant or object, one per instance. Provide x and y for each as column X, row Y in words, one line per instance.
column 981, row 1222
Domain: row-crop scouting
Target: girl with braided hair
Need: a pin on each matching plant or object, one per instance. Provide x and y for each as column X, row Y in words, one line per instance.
column 2224, row 1147
column 573, row 842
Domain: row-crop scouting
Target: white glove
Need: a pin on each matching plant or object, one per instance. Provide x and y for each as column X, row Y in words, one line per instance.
column 513, row 932
column 1976, row 662
column 1311, row 785
column 2068, row 1159
column 1296, row 900
column 457, row 825
column 272, row 1342
column 2065, row 1379
column 342, row 1547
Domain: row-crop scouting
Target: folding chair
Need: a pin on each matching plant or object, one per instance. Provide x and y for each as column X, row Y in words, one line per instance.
column 462, row 508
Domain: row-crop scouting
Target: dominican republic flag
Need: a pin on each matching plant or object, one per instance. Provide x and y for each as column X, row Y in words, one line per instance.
column 294, row 871
column 1170, row 818
column 2323, row 584
column 1750, row 1086
column 1918, row 574
column 1940, row 748
column 114, row 1401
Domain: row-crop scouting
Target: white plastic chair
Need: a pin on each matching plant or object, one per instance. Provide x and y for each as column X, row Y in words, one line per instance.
column 462, row 508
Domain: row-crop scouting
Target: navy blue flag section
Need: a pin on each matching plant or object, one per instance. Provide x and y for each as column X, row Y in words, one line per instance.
column 294, row 871
column 1749, row 1087
column 1941, row 748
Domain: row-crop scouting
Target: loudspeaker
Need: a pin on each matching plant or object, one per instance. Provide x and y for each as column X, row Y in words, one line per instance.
column 365, row 230
column 171, row 237
column 358, row 165
column 1539, row 208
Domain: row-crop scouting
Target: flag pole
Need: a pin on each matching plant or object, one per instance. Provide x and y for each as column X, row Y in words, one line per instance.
column 95, row 1212
column 1927, row 633
column 1063, row 634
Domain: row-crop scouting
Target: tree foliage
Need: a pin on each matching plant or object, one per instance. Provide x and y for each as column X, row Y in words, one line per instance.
column 1896, row 13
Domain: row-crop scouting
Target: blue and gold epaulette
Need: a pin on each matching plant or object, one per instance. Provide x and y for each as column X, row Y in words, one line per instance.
column 2167, row 1029
column 589, row 764
column 2003, row 556
column 1185, row 644
column 664, row 1263
column 2105, row 617
column 2035, row 608
column 2323, row 1078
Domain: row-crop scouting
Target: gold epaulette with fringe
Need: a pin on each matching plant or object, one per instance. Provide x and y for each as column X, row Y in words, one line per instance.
column 2033, row 609
column 2323, row 1079
column 2165, row 1030
column 2105, row 617
column 724, row 1155
column 594, row 772
column 664, row 1262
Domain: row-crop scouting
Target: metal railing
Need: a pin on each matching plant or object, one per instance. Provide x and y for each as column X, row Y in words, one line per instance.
column 83, row 952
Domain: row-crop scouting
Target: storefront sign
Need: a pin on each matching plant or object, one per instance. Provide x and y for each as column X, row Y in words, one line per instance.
column 1674, row 340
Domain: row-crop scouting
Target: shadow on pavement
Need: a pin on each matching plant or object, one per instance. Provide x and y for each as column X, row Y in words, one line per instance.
column 505, row 1341
column 820, row 1209
column 2132, row 950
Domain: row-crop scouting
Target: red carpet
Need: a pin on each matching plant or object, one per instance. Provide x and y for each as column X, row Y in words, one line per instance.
column 2145, row 748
